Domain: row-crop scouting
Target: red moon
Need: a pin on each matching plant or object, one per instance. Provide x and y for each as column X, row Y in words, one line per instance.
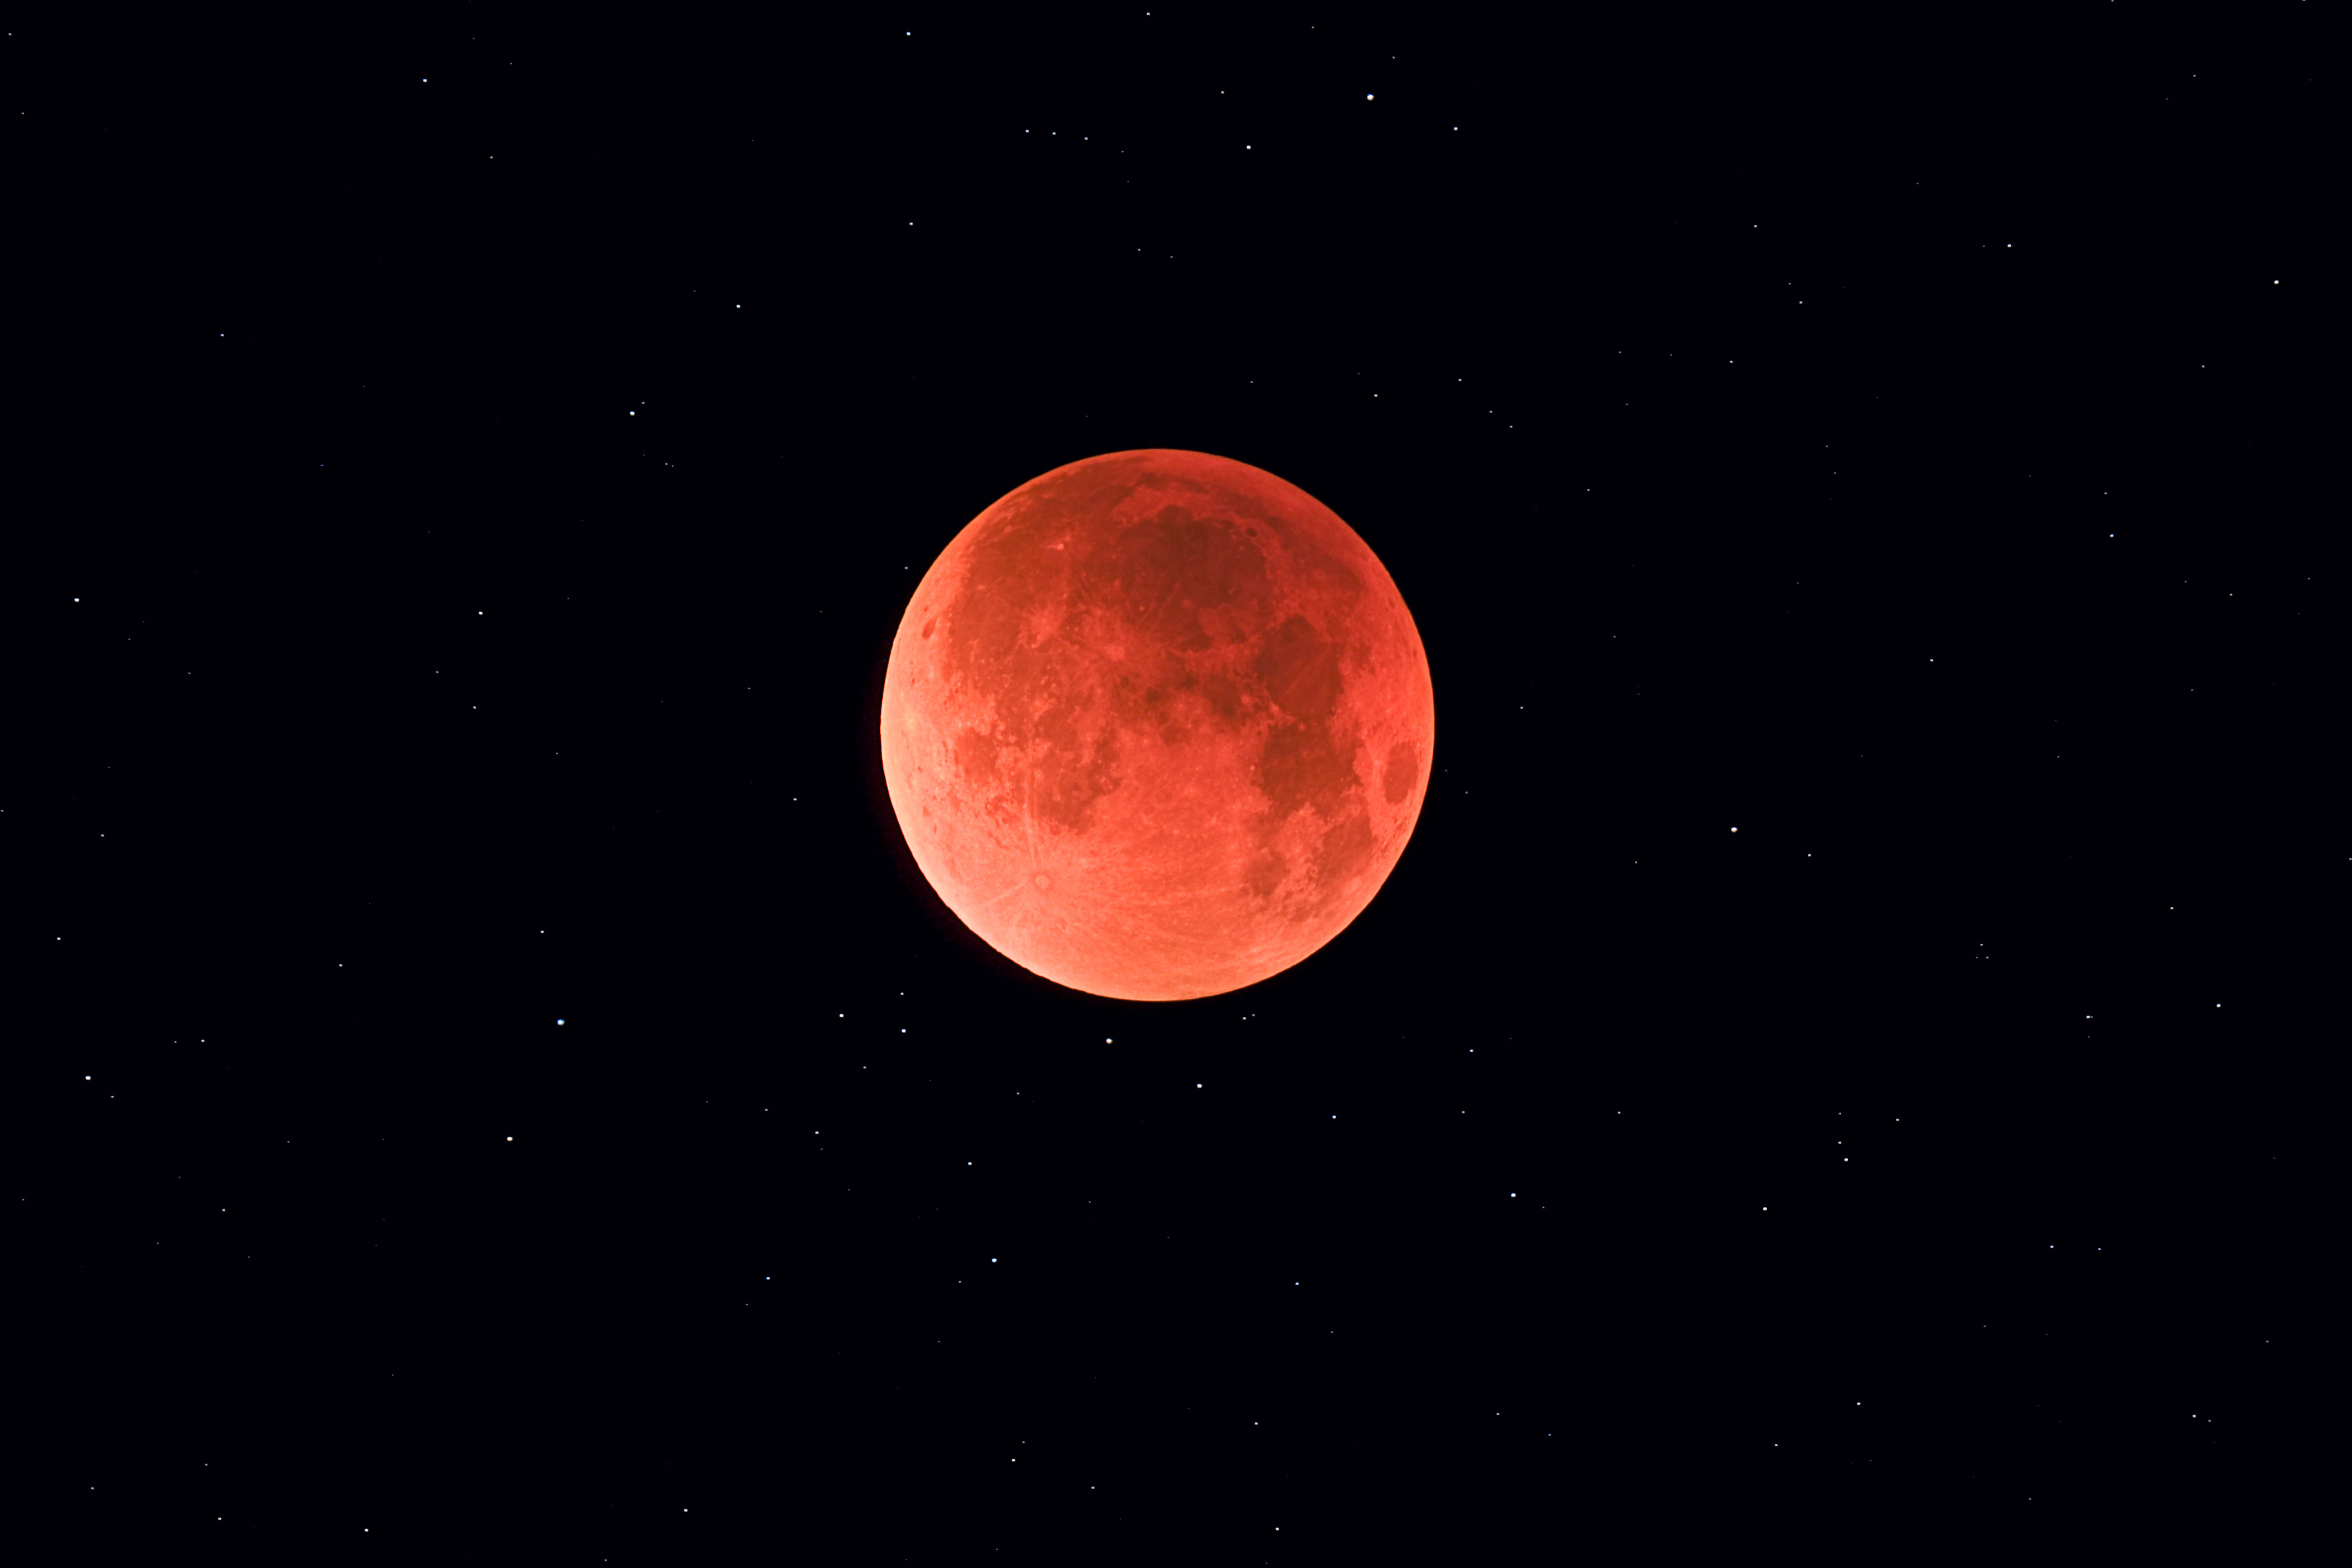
column 1157, row 725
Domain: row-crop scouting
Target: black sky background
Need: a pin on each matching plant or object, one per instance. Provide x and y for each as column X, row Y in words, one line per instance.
column 468, row 467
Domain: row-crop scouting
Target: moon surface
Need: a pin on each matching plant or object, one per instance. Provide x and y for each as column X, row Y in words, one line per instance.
column 1157, row 725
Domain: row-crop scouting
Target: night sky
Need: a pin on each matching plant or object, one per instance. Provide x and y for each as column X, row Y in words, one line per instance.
column 487, row 1082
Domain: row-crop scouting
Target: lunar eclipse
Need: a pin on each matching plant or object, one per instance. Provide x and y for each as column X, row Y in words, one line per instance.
column 1157, row 725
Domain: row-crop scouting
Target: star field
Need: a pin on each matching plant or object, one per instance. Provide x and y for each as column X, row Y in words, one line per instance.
column 1839, row 1049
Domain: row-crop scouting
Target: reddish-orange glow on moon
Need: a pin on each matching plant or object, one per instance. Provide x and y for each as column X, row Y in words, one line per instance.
column 1157, row 725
